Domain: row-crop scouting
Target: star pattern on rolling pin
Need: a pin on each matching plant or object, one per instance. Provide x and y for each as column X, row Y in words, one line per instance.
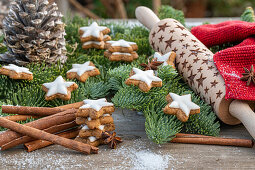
column 163, row 27
column 161, row 39
column 153, row 34
column 182, row 54
column 171, row 31
column 191, row 78
column 169, row 42
column 214, row 83
column 205, row 61
column 199, row 69
column 189, row 67
column 200, row 80
column 195, row 52
column 153, row 44
column 219, row 94
column 175, row 49
column 184, row 64
column 194, row 60
column 206, row 90
column 180, row 27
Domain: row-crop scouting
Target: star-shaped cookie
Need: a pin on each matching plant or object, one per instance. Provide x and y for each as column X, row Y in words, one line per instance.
column 82, row 71
column 95, row 108
column 145, row 80
column 121, row 46
column 181, row 106
column 167, row 58
column 93, row 32
column 16, row 72
column 59, row 89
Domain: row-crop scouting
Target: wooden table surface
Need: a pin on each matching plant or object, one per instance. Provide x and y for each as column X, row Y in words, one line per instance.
column 135, row 152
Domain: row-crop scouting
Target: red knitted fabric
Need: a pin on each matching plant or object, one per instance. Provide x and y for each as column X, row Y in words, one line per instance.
column 229, row 31
column 230, row 63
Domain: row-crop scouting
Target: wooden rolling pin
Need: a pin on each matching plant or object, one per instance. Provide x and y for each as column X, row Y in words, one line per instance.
column 194, row 62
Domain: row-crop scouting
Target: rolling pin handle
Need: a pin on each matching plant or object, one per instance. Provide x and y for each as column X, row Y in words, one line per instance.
column 242, row 111
column 146, row 16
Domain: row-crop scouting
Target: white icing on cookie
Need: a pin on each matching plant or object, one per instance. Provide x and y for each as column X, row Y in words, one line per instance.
column 118, row 53
column 107, row 114
column 92, row 138
column 80, row 69
column 145, row 76
column 85, row 127
column 58, row 86
column 17, row 69
column 92, row 30
column 106, row 36
column 121, row 43
column 89, row 119
column 95, row 104
column 183, row 102
column 101, row 127
column 93, row 42
column 163, row 58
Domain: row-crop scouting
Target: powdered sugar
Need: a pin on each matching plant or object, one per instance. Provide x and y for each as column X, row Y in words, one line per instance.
column 149, row 160
column 141, row 156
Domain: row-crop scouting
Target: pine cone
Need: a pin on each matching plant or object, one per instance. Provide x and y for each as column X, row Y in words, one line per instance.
column 34, row 32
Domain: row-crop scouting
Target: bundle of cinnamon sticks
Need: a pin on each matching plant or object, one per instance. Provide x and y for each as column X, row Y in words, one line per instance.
column 58, row 126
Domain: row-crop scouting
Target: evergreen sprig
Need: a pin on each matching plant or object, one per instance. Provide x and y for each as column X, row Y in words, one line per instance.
column 248, row 15
column 166, row 11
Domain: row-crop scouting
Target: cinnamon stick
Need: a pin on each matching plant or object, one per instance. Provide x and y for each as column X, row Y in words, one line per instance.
column 214, row 141
column 185, row 135
column 42, row 123
column 17, row 118
column 39, row 134
column 38, row 144
column 25, row 139
column 36, row 111
column 71, row 106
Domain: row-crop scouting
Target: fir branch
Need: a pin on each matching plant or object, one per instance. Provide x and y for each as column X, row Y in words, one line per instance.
column 248, row 15
column 203, row 123
column 118, row 76
column 160, row 128
column 28, row 96
column 167, row 11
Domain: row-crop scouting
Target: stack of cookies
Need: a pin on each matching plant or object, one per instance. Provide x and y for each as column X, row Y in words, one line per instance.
column 121, row 50
column 95, row 118
column 94, row 36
